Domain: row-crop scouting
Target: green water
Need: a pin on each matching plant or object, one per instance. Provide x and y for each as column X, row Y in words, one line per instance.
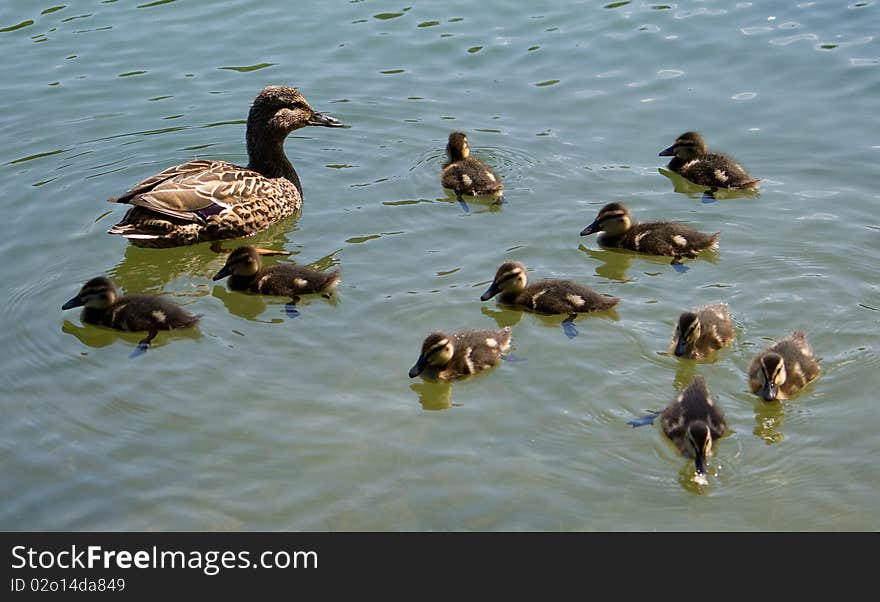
column 261, row 422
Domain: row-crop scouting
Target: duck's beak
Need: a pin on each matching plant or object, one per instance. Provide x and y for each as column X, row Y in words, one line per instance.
column 591, row 229
column 769, row 391
column 325, row 120
column 223, row 273
column 417, row 369
column 701, row 463
column 490, row 292
column 667, row 152
column 680, row 347
column 75, row 302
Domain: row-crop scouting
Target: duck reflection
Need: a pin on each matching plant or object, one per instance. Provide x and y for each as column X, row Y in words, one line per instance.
column 769, row 418
column 434, row 395
column 475, row 204
column 706, row 193
column 99, row 336
column 150, row 270
column 614, row 264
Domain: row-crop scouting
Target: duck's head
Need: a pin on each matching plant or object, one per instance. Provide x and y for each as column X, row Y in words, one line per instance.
column 457, row 148
column 689, row 145
column 282, row 109
column 437, row 350
column 688, row 332
column 699, row 440
column 97, row 293
column 509, row 278
column 613, row 218
column 243, row 261
column 773, row 374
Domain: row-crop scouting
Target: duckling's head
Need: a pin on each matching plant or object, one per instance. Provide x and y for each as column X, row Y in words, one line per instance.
column 773, row 373
column 699, row 440
column 687, row 333
column 437, row 350
column 243, row 261
column 457, row 148
column 97, row 293
column 689, row 145
column 280, row 110
column 613, row 218
column 509, row 278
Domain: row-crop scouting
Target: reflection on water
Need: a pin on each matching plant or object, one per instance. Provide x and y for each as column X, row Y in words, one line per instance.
column 769, row 418
column 101, row 336
column 706, row 193
column 613, row 264
column 434, row 395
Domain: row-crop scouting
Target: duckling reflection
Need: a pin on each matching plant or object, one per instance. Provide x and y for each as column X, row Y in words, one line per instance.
column 769, row 419
column 614, row 264
column 434, row 395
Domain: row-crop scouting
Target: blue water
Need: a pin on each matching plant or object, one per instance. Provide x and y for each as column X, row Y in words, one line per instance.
column 262, row 422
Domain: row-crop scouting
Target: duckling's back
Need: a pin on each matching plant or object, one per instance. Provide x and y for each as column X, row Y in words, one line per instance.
column 663, row 238
column 140, row 312
column 470, row 176
column 717, row 171
column 290, row 280
column 556, row 296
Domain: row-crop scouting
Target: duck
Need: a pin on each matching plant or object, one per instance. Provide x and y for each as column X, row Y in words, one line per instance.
column 549, row 295
column 468, row 175
column 702, row 331
column 783, row 368
column 447, row 357
column 673, row 239
column 208, row 200
column 245, row 270
column 692, row 421
column 692, row 160
column 102, row 306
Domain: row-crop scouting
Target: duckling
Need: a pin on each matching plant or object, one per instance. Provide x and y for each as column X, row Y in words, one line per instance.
column 132, row 313
column 213, row 200
column 693, row 161
column 783, row 368
column 701, row 331
column 691, row 422
column 447, row 357
column 551, row 295
column 468, row 175
column 655, row 238
column 246, row 273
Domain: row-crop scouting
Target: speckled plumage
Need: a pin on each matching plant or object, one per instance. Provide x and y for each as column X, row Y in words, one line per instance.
column 465, row 174
column 692, row 421
column 246, row 272
column 702, row 331
column 132, row 313
column 447, row 357
column 783, row 368
column 673, row 239
column 693, row 161
column 550, row 295
column 214, row 200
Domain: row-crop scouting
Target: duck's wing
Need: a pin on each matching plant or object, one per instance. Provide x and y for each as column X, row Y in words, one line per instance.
column 192, row 191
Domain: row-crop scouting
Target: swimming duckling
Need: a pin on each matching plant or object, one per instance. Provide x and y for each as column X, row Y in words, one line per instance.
column 468, row 175
column 214, row 200
column 783, row 368
column 446, row 357
column 244, row 267
column 551, row 295
column 701, row 331
column 132, row 313
column 693, row 161
column 655, row 238
column 691, row 421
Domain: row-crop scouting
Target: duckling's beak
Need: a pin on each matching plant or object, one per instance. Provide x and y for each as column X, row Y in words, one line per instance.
column 223, row 273
column 701, row 463
column 680, row 347
column 75, row 302
column 769, row 391
column 490, row 292
column 667, row 152
column 591, row 229
column 325, row 120
column 417, row 369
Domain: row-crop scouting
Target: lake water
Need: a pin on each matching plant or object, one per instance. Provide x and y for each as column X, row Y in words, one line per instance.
column 261, row 422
